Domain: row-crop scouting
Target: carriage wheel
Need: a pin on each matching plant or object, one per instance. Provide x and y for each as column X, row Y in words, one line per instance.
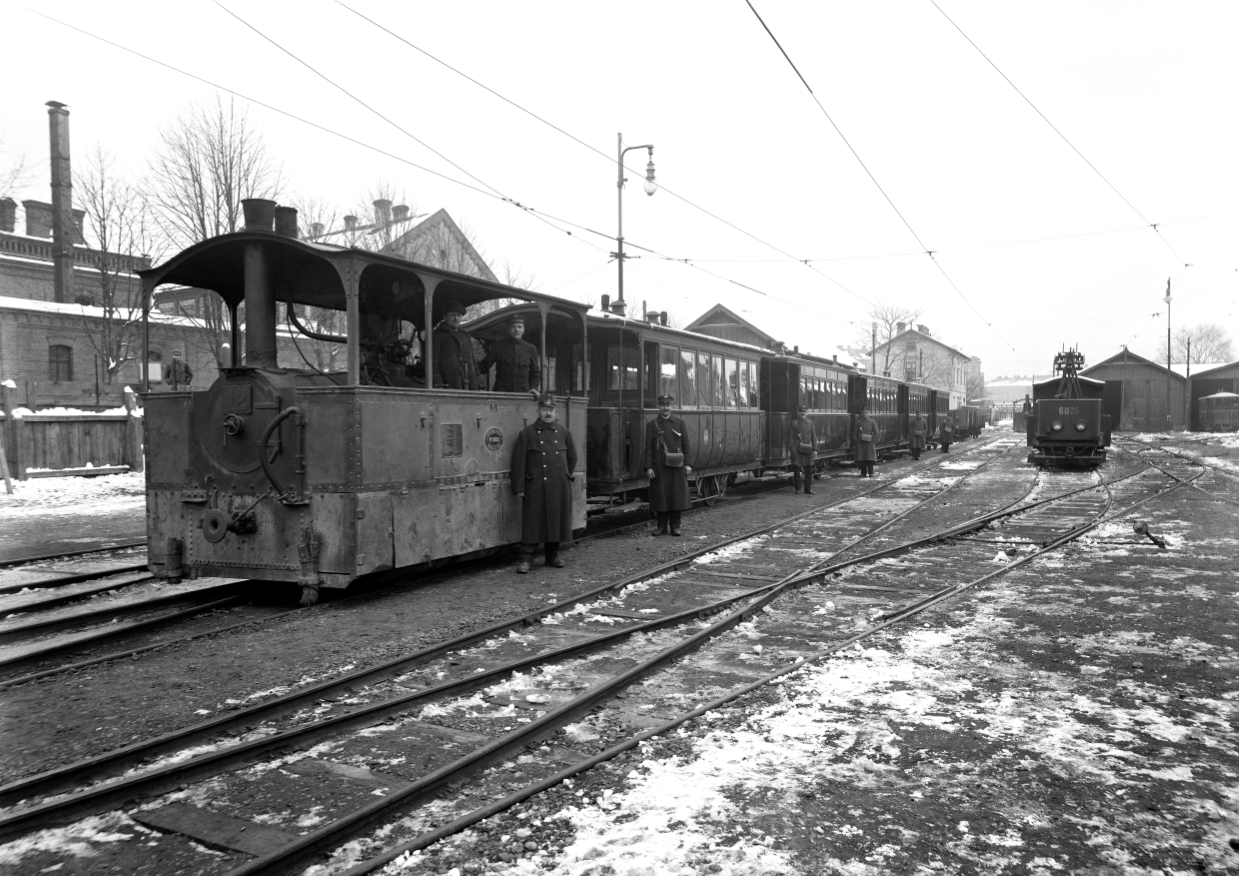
column 708, row 489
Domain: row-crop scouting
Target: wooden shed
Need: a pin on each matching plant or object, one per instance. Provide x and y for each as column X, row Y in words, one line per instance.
column 1144, row 388
column 1211, row 380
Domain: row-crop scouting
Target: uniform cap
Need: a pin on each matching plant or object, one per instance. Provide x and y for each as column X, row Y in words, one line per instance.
column 802, row 410
column 666, row 398
column 454, row 307
column 546, row 400
column 516, row 320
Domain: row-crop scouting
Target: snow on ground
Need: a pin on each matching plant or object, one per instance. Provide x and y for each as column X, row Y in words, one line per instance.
column 75, row 495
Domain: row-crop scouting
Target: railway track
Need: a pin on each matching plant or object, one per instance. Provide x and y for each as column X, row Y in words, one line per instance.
column 869, row 532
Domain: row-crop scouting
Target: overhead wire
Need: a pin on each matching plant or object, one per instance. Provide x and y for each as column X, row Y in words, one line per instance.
column 662, row 187
column 925, row 249
column 1054, row 128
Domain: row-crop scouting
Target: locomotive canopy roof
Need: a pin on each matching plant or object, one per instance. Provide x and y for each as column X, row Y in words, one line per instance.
column 313, row 274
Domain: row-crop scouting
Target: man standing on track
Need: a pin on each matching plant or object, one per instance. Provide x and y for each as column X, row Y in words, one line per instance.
column 665, row 461
column 802, row 440
column 916, row 443
column 866, row 443
column 455, row 366
column 543, row 462
column 515, row 361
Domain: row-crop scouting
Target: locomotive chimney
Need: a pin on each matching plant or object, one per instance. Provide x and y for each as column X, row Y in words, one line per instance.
column 62, row 202
column 260, row 351
column 606, row 303
column 350, row 223
column 286, row 221
column 662, row 318
column 316, row 230
column 259, row 213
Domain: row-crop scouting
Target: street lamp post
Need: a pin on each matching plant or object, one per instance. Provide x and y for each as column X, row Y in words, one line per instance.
column 650, row 187
column 1169, row 417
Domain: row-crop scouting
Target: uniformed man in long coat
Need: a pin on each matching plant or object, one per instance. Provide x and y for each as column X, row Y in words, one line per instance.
column 946, row 433
column 543, row 463
column 916, row 441
column 802, row 444
column 865, row 440
column 665, row 460
column 455, row 366
column 515, row 361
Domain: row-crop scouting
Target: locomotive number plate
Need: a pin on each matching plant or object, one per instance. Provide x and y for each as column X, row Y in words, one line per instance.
column 453, row 439
column 494, row 439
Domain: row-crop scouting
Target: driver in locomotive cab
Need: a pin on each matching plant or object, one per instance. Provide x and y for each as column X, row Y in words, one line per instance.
column 515, row 361
column 543, row 462
column 455, row 366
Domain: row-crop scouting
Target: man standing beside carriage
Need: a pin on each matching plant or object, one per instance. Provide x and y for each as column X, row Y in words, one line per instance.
column 918, row 429
column 543, row 462
column 866, row 443
column 802, row 446
column 665, row 461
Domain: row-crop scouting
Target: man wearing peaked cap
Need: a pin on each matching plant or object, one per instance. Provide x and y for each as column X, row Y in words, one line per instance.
column 515, row 360
column 454, row 364
column 667, row 451
column 802, row 441
column 543, row 467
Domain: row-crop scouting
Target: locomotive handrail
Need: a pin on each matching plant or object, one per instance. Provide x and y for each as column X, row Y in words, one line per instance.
column 262, row 449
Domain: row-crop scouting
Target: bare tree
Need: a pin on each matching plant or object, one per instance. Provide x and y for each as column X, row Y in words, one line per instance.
column 1208, row 343
column 884, row 325
column 974, row 387
column 15, row 173
column 208, row 161
column 120, row 229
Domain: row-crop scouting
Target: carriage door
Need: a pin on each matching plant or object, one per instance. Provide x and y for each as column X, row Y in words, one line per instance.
column 901, row 408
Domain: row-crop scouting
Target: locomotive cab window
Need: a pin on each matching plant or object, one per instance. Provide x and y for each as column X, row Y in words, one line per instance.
column 622, row 365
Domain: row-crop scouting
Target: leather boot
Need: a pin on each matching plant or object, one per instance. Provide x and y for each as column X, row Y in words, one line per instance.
column 524, row 567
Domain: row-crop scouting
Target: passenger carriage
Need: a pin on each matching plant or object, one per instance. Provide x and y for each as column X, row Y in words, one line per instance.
column 628, row 365
column 319, row 477
column 1219, row 412
column 821, row 386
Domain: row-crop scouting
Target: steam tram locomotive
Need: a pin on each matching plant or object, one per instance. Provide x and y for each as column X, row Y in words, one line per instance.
column 1068, row 427
column 320, row 477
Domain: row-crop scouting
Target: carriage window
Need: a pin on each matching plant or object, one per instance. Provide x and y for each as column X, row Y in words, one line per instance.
column 628, row 367
column 651, row 369
column 667, row 373
column 745, row 399
column 732, row 386
column 550, row 378
column 753, row 400
column 705, row 389
column 819, row 394
column 688, row 379
column 718, row 376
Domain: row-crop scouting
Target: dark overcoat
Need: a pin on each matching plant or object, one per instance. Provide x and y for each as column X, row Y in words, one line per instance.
column 543, row 462
column 866, row 451
column 669, row 487
column 455, row 366
column 516, row 362
column 919, row 428
column 802, row 432
column 946, row 432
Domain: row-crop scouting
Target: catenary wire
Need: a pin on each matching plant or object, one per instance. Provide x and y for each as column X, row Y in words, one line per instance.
column 1054, row 128
column 929, row 252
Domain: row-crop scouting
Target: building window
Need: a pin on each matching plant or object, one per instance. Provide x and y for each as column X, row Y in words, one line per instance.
column 60, row 363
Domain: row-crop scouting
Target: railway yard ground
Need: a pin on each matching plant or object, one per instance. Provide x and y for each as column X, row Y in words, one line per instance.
column 1076, row 714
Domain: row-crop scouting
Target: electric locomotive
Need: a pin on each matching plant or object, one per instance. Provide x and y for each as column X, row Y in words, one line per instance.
column 317, row 478
column 1068, row 428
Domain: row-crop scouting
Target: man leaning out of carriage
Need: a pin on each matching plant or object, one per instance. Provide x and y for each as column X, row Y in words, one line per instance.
column 543, row 462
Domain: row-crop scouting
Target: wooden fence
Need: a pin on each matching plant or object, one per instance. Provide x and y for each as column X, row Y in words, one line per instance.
column 39, row 444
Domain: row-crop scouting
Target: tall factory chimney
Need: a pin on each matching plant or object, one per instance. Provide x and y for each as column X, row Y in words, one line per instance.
column 62, row 202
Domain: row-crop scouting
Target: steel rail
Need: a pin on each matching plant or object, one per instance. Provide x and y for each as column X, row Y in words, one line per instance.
column 56, row 779
column 105, row 584
column 64, row 580
column 41, row 558
column 473, row 817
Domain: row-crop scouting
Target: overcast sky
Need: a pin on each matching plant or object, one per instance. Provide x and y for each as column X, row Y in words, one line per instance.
column 798, row 209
